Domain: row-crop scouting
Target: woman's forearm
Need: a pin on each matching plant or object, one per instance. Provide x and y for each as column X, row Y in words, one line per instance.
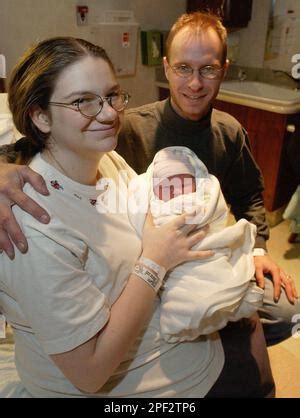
column 90, row 365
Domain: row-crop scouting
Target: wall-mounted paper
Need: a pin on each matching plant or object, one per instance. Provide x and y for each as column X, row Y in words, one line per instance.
column 2, row 66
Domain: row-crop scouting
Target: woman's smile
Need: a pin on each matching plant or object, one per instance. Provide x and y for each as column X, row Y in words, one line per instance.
column 102, row 129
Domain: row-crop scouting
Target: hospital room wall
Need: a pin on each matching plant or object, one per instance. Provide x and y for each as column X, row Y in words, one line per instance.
column 24, row 22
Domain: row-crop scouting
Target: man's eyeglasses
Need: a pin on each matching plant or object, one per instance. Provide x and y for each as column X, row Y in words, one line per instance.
column 211, row 72
column 91, row 105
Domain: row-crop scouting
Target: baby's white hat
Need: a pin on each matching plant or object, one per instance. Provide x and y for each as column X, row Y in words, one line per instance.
column 167, row 164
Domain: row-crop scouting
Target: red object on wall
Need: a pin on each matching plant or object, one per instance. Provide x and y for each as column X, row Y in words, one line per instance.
column 82, row 9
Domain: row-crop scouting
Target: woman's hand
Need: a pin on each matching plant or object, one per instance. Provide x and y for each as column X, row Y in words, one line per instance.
column 12, row 179
column 170, row 244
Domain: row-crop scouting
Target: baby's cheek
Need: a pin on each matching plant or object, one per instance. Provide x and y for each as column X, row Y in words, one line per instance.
column 163, row 193
column 156, row 191
column 189, row 188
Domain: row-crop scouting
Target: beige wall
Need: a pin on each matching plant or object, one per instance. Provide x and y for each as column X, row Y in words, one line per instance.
column 252, row 40
column 283, row 37
column 283, row 40
column 23, row 22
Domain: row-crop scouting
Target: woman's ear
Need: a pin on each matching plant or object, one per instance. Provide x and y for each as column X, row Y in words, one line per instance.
column 41, row 119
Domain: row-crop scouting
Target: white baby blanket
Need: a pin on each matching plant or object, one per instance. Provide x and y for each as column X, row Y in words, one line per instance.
column 7, row 134
column 8, row 131
column 201, row 296
column 292, row 212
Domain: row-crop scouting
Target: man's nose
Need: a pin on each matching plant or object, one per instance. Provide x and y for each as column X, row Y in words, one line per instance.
column 196, row 81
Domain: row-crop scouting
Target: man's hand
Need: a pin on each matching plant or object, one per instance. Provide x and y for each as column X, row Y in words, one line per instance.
column 12, row 179
column 264, row 264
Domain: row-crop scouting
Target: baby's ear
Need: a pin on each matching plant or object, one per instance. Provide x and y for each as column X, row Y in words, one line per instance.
column 41, row 119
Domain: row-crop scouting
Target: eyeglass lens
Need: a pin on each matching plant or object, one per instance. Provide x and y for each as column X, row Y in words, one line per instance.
column 208, row 71
column 92, row 106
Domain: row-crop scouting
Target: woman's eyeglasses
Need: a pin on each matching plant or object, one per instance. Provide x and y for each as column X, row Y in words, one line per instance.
column 211, row 72
column 92, row 104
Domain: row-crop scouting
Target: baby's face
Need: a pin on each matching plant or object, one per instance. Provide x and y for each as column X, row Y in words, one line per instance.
column 174, row 186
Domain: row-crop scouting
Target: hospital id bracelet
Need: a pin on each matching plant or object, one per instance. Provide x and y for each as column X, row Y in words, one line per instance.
column 159, row 270
column 259, row 252
column 150, row 277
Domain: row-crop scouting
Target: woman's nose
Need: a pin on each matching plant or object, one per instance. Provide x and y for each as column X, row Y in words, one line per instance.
column 108, row 113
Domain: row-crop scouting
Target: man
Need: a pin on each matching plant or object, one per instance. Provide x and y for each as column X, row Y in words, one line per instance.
column 195, row 65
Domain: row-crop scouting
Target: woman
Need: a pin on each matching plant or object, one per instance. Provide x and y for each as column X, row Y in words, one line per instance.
column 83, row 303
column 73, row 297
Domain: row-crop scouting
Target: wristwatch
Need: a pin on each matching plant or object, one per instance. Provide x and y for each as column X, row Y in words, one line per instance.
column 259, row 251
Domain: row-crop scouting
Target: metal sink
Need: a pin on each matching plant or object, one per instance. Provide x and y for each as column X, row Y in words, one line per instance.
column 261, row 96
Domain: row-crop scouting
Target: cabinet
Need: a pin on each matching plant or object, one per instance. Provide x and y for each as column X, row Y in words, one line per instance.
column 234, row 13
column 269, row 141
column 2, row 85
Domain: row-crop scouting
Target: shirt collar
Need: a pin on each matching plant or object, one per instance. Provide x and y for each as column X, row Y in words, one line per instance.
column 183, row 126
